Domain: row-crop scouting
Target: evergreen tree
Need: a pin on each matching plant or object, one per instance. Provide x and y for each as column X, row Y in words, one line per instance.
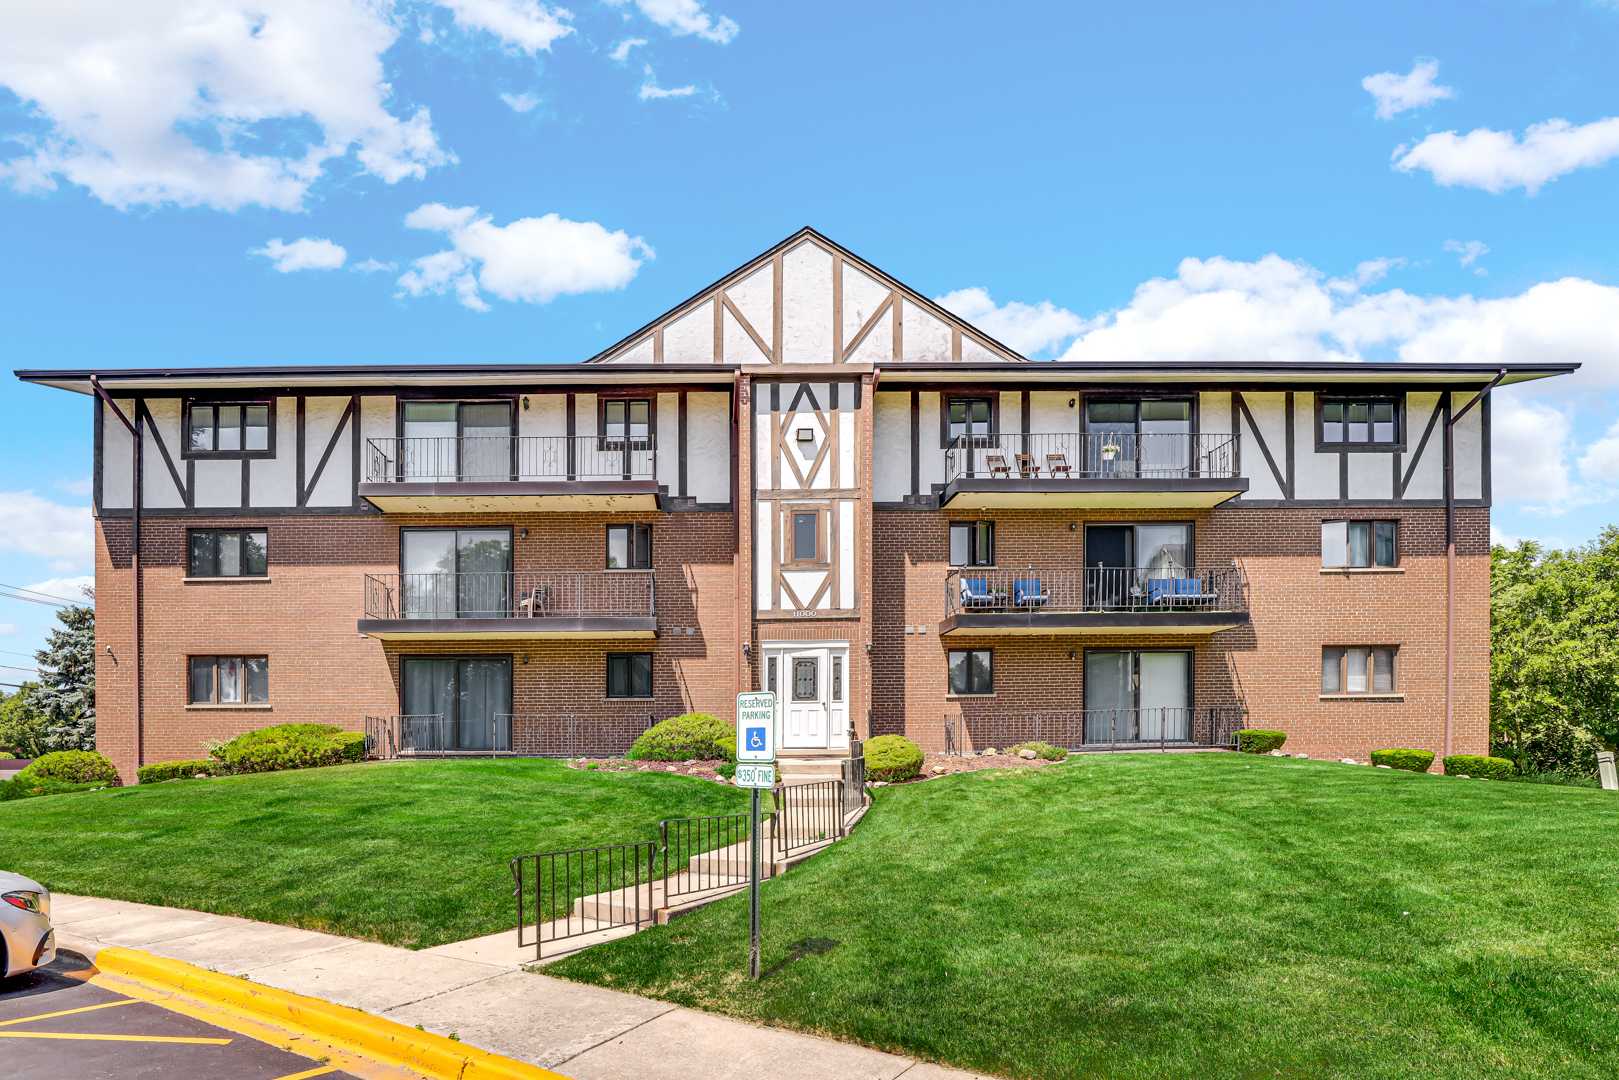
column 22, row 728
column 66, row 695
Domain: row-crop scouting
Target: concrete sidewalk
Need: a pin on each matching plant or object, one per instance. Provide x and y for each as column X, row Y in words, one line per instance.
column 477, row 990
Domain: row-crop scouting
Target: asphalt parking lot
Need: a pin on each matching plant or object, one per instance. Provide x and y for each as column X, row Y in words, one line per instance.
column 54, row 1024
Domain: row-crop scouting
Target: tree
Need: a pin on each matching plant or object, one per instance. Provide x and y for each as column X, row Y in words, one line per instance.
column 66, row 695
column 22, row 727
column 1554, row 660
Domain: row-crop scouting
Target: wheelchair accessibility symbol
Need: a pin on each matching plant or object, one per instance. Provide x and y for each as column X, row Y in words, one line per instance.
column 756, row 738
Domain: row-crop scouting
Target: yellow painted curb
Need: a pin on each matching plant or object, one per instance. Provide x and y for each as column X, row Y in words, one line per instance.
column 384, row 1041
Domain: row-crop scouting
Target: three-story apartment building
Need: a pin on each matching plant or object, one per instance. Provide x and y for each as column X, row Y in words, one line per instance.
column 806, row 478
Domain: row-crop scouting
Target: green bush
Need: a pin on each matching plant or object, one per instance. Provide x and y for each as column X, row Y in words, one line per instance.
column 727, row 746
column 1401, row 758
column 18, row 788
column 289, row 746
column 7, row 755
column 175, row 770
column 71, row 767
column 683, row 737
column 1490, row 768
column 1258, row 741
column 892, row 757
column 726, row 769
column 1043, row 750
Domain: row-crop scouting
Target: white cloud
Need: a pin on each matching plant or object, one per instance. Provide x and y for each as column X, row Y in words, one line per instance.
column 9, row 629
column 523, row 102
column 1397, row 93
column 1470, row 251
column 1495, row 161
column 65, row 588
column 1366, row 273
column 1028, row 328
column 371, row 266
column 308, row 253
column 650, row 89
column 38, row 526
column 1600, row 462
column 521, row 24
column 81, row 487
column 621, row 52
column 681, row 17
column 219, row 103
column 1277, row 310
column 532, row 259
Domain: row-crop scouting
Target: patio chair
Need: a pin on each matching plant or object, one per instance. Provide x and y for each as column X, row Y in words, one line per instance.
column 975, row 593
column 1184, row 591
column 1026, row 467
column 997, row 465
column 1058, row 463
column 1026, row 593
column 536, row 602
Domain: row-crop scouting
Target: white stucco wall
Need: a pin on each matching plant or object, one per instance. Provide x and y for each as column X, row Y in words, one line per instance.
column 708, row 447
column 321, row 418
column 891, row 446
column 806, row 305
column 217, row 483
column 1269, row 414
column 862, row 295
column 159, row 487
column 764, row 544
column 849, row 530
column 274, row 482
column 1469, row 447
column 117, row 457
column 1050, row 413
column 690, row 338
column 667, row 458
column 1428, row 479
column 932, row 470
column 924, row 337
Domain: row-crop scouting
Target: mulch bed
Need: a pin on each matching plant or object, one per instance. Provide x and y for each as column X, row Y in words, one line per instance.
column 703, row 770
column 933, row 765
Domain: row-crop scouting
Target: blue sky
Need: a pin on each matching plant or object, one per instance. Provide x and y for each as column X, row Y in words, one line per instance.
column 213, row 182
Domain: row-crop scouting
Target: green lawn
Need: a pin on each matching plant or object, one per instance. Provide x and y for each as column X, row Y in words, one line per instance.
column 1194, row 916
column 408, row 853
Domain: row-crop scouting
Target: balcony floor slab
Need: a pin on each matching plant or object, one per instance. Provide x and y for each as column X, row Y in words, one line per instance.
column 511, row 496
column 1123, row 493
column 517, row 629
column 1007, row 623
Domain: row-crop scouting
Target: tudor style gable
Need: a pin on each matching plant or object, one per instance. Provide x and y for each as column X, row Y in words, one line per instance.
column 807, row 301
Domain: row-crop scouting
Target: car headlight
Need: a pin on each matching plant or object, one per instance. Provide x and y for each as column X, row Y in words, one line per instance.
column 28, row 901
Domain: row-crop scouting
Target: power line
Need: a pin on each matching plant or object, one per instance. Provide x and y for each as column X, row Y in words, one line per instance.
column 36, row 592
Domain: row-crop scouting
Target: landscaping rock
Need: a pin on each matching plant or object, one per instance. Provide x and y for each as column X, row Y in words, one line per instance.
column 1278, row 753
column 1385, row 766
column 1347, row 761
column 1028, row 755
column 1306, row 757
column 938, row 768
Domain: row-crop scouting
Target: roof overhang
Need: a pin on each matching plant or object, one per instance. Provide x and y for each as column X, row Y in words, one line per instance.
column 1236, row 373
column 348, row 378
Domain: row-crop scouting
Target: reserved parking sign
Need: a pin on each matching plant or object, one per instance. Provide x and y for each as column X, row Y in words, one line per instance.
column 756, row 726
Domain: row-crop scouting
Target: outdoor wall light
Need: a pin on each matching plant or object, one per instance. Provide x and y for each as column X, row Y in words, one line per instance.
column 524, row 534
column 1073, row 526
column 1070, row 403
column 525, row 403
column 1073, row 654
column 110, row 653
column 806, row 435
column 747, row 650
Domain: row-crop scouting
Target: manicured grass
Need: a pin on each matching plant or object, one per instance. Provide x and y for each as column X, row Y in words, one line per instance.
column 408, row 853
column 1194, row 916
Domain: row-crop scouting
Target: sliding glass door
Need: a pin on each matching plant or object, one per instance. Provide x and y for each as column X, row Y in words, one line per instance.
column 1121, row 559
column 1138, row 695
column 1145, row 438
column 455, row 573
column 457, row 704
column 447, row 441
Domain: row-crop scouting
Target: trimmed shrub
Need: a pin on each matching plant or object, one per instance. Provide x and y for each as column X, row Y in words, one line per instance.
column 726, row 769
column 1043, row 750
column 684, row 737
column 7, row 755
column 1259, row 741
column 289, row 746
column 18, row 788
column 71, row 767
column 1401, row 758
column 891, row 757
column 1490, row 768
column 727, row 746
column 175, row 770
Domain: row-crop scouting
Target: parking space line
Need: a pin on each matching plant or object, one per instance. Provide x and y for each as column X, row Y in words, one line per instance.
column 109, row 1038
column 322, row 1071
column 68, row 1012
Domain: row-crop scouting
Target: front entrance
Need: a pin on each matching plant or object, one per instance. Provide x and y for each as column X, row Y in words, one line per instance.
column 811, row 687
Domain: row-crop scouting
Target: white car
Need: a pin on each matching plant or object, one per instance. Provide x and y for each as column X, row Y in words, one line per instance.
column 26, row 938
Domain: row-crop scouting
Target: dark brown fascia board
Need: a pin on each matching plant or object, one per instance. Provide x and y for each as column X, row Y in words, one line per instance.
column 1240, row 373
column 348, row 378
column 807, row 233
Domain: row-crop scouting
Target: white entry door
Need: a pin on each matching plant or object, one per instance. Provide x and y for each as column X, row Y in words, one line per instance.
column 812, row 693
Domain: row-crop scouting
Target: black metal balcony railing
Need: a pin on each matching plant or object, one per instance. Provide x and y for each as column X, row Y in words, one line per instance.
column 435, row 735
column 1090, row 456
column 546, row 594
column 486, row 459
column 1096, row 588
column 973, row 730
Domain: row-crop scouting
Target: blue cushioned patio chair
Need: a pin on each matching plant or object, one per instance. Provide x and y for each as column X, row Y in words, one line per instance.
column 1026, row 593
column 975, row 593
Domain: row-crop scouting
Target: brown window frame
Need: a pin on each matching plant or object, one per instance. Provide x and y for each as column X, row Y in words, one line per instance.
column 1371, row 543
column 633, row 529
column 241, row 558
column 1346, row 447
column 629, row 677
column 1371, row 671
column 605, row 441
column 790, row 512
column 972, row 529
column 213, row 699
column 215, row 454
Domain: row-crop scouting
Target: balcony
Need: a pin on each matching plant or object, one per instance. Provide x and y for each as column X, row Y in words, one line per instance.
column 1091, row 470
column 1095, row 600
column 510, row 606
column 510, row 473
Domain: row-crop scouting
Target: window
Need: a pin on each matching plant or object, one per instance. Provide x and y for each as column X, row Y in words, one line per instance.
column 1358, row 670
column 968, row 417
column 228, row 553
column 629, row 675
column 626, row 419
column 837, row 678
column 770, row 674
column 806, row 680
column 1143, row 437
column 806, row 536
column 1348, row 424
column 1359, row 543
column 629, row 547
column 972, row 543
column 456, row 573
column 230, row 680
column 239, row 430
column 972, row 671
column 446, row 441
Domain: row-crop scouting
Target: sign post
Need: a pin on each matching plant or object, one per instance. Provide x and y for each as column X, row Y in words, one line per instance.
column 756, row 769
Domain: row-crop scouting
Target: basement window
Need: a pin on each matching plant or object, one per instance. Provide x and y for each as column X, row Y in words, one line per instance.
column 1358, row 669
